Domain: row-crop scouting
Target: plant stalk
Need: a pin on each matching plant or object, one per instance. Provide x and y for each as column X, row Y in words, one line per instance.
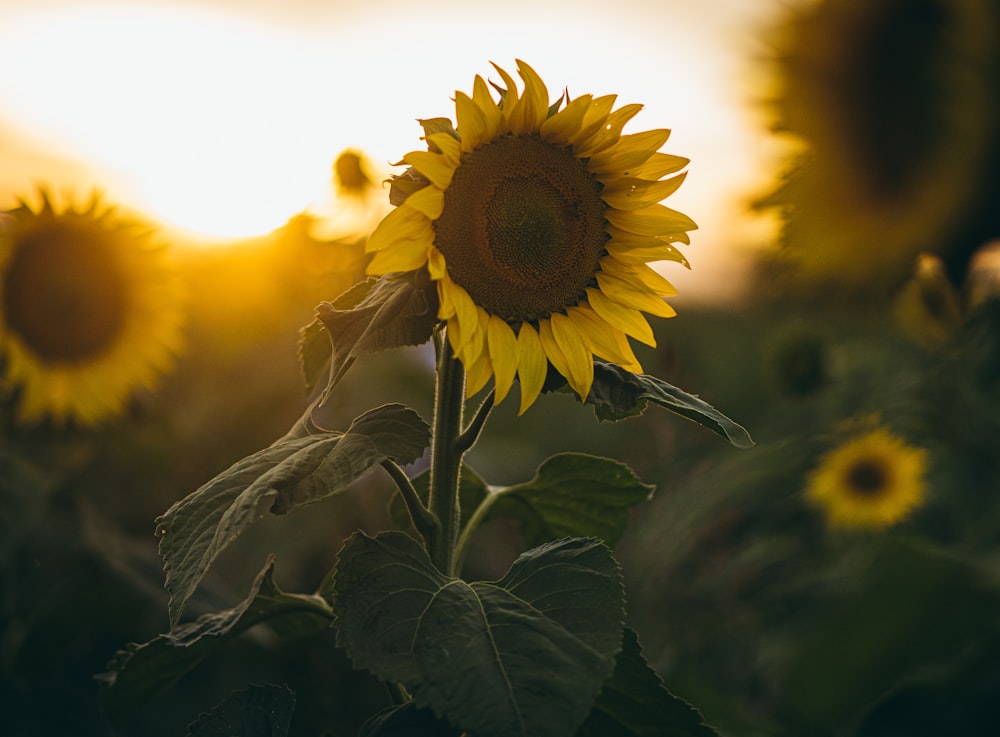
column 446, row 455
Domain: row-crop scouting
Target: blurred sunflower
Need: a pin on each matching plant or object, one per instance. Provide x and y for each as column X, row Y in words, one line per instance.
column 871, row 481
column 538, row 222
column 89, row 310
column 896, row 105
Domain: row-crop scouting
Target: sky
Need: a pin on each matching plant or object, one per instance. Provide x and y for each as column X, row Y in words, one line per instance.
column 223, row 117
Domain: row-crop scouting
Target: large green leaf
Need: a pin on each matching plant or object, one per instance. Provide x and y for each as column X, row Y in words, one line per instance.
column 143, row 670
column 290, row 473
column 374, row 315
column 634, row 703
column 525, row 655
column 573, row 495
column 617, row 394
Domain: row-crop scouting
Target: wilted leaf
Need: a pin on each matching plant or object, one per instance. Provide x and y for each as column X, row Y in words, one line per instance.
column 617, row 394
column 136, row 674
column 391, row 312
column 525, row 655
column 290, row 473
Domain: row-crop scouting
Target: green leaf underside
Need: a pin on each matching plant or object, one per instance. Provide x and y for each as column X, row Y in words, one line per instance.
column 259, row 711
column 292, row 472
column 137, row 674
column 634, row 703
column 374, row 315
column 525, row 655
column 617, row 394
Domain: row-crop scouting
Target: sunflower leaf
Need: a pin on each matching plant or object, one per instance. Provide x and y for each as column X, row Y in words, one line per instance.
column 573, row 494
column 617, row 394
column 294, row 471
column 407, row 720
column 391, row 312
column 141, row 671
column 634, row 703
column 525, row 655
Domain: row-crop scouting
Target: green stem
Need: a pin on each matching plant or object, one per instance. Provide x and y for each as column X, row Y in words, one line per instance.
column 425, row 522
column 475, row 520
column 468, row 438
column 446, row 456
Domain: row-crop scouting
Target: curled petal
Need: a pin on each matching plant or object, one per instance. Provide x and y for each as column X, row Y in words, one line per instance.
column 503, row 355
column 531, row 365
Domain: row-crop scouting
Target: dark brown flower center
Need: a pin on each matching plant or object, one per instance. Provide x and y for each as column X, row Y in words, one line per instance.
column 867, row 478
column 63, row 293
column 523, row 227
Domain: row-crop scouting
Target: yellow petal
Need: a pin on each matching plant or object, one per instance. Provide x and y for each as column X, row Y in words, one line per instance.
column 433, row 166
column 658, row 165
column 471, row 122
column 451, row 147
column 428, row 201
column 487, row 105
column 654, row 220
column 627, row 319
column 659, row 251
column 436, row 264
column 477, row 374
column 407, row 255
column 640, row 275
column 534, row 106
column 579, row 359
column 531, row 365
column 510, row 100
column 503, row 355
column 552, row 350
column 596, row 117
column 564, row 125
column 633, row 294
column 629, row 152
column 604, row 340
column 609, row 133
column 630, row 193
column 464, row 311
column 400, row 224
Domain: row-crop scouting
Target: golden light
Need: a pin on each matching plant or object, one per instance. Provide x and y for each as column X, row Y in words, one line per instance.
column 220, row 125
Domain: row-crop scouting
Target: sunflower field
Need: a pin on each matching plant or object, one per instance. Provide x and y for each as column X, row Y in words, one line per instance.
column 459, row 460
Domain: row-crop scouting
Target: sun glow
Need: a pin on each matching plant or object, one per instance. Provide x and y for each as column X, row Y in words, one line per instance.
column 212, row 124
column 225, row 127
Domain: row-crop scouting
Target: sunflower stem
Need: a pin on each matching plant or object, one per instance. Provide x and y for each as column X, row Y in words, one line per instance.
column 446, row 455
column 425, row 522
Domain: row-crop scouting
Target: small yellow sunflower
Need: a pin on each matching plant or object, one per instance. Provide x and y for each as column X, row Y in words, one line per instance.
column 538, row 222
column 89, row 310
column 871, row 481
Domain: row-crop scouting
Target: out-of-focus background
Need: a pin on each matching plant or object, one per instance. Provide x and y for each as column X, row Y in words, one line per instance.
column 844, row 283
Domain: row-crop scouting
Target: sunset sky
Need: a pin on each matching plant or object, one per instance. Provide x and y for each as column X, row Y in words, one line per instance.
column 223, row 117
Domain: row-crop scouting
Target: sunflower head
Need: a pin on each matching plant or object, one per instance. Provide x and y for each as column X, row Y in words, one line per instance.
column 871, row 481
column 537, row 221
column 351, row 174
column 89, row 310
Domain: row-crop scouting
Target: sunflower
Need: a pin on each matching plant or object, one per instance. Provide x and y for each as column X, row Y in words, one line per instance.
column 538, row 222
column 89, row 310
column 871, row 481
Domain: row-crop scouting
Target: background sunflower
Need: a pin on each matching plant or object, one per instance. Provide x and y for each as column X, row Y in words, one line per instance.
column 89, row 310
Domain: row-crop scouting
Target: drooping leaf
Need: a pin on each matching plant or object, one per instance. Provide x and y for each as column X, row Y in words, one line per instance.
column 573, row 495
column 408, row 720
column 635, row 703
column 259, row 711
column 617, row 394
column 377, row 314
column 315, row 350
column 141, row 671
column 290, row 473
column 525, row 655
